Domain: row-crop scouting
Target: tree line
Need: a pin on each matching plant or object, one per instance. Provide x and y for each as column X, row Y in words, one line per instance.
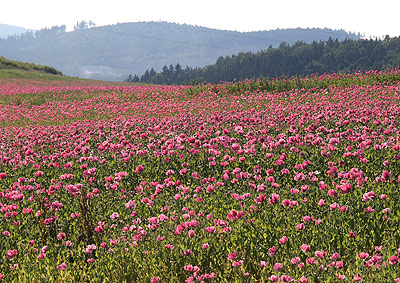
column 299, row 59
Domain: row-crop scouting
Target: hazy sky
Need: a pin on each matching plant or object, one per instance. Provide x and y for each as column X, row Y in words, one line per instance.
column 369, row 17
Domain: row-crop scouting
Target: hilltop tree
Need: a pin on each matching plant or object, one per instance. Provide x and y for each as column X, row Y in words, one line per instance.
column 84, row 25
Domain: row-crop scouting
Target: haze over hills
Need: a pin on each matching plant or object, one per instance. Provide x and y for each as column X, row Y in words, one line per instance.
column 8, row 30
column 112, row 52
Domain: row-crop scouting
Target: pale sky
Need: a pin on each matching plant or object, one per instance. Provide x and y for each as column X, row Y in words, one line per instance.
column 369, row 17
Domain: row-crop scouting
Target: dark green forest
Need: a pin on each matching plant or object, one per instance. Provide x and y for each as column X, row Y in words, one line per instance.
column 299, row 59
column 112, row 52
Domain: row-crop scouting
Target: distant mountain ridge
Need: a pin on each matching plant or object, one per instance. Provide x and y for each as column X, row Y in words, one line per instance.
column 9, row 30
column 111, row 52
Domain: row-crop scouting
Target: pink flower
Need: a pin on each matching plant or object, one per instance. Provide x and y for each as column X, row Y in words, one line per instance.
column 139, row 169
column 191, row 233
column 320, row 254
column 278, row 266
column 305, row 248
column 43, row 249
column 61, row 236
column 386, row 175
column 62, row 266
column 232, row 256
column 75, row 215
column 263, row 263
column 211, row 229
column 187, row 252
column 272, row 251
column 205, row 246
column 340, row 277
column 154, row 279
column 339, row 264
column 38, row 173
column 300, row 226
column 363, row 255
column 11, row 253
column 274, row 278
column 335, row 256
column 369, row 209
column 287, row 278
column 130, row 204
column 357, row 278
column 393, row 260
column 352, row 234
column 274, row 198
column 333, row 206
column 332, row 193
column 90, row 248
column 295, row 260
column 237, row 263
column 303, row 279
column 368, row 196
column 232, row 215
column 310, row 260
column 283, row 240
column 114, row 216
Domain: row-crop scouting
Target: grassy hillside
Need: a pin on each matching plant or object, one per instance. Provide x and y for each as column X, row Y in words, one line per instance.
column 6, row 64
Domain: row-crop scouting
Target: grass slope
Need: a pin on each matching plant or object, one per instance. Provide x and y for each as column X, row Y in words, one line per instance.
column 10, row 64
column 20, row 72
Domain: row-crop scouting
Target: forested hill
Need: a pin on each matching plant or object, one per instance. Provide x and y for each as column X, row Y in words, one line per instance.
column 8, row 30
column 299, row 59
column 112, row 52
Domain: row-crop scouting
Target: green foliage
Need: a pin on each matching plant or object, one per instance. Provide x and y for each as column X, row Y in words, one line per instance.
column 300, row 59
column 293, row 83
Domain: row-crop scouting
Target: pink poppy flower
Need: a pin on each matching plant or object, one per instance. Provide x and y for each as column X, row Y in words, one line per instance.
column 62, row 266
column 305, row 248
column 278, row 266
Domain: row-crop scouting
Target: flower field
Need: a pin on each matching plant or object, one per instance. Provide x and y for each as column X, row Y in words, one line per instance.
column 289, row 180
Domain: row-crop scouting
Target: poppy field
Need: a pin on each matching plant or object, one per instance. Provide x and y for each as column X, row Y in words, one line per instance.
column 286, row 180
